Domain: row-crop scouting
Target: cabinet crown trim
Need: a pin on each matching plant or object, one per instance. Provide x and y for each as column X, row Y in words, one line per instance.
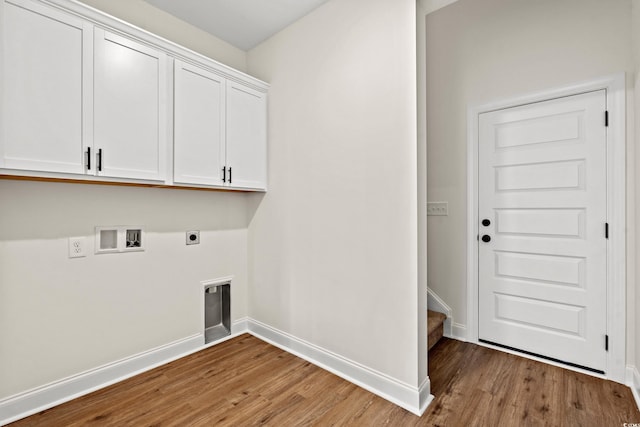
column 174, row 50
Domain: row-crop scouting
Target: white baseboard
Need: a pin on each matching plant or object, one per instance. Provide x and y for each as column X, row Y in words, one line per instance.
column 239, row 327
column 459, row 332
column 47, row 396
column 454, row 330
column 633, row 381
column 30, row 402
column 435, row 303
column 413, row 399
column 426, row 397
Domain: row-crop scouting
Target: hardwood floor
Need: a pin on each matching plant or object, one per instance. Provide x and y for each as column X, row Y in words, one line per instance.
column 246, row 381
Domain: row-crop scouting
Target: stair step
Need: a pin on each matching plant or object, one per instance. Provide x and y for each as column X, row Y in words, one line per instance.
column 435, row 327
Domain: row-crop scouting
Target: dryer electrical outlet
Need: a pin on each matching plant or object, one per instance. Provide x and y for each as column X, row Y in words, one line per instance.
column 193, row 237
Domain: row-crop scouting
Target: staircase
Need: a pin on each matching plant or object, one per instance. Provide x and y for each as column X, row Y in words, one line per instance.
column 435, row 327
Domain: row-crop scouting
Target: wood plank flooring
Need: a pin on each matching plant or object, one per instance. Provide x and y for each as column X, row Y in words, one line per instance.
column 246, row 382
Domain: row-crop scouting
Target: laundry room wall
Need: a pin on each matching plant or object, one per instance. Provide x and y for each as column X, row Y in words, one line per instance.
column 60, row 317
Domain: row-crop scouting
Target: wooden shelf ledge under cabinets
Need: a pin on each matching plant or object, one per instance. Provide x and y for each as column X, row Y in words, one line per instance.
column 124, row 184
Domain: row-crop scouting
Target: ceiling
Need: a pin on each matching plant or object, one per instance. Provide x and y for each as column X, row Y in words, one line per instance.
column 242, row 23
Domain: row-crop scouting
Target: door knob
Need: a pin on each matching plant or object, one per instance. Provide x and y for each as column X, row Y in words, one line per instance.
column 486, row 222
column 486, row 238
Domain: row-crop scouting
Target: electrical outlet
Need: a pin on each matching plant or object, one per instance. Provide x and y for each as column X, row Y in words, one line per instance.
column 193, row 237
column 437, row 208
column 77, row 247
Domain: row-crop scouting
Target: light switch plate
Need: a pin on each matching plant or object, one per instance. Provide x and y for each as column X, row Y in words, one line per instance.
column 437, row 208
column 77, row 247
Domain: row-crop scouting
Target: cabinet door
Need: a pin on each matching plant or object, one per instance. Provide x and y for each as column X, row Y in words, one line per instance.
column 46, row 73
column 246, row 136
column 199, row 134
column 130, row 108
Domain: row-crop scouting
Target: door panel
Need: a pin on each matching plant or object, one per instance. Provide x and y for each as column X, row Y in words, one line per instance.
column 199, row 127
column 130, row 103
column 47, row 58
column 246, row 136
column 552, row 269
column 542, row 185
column 541, row 222
column 554, row 175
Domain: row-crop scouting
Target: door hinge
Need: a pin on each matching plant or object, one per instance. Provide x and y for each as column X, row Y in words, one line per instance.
column 606, row 230
column 606, row 342
column 606, row 118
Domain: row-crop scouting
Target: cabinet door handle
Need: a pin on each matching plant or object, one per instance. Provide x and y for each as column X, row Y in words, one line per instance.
column 88, row 158
column 230, row 175
column 99, row 159
column 224, row 174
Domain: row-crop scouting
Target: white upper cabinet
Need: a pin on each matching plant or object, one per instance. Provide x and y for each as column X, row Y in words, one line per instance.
column 46, row 79
column 87, row 96
column 199, row 125
column 130, row 95
column 220, row 130
column 246, row 137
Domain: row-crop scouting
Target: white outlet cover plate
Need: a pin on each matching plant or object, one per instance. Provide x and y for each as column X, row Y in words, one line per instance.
column 437, row 208
column 77, row 247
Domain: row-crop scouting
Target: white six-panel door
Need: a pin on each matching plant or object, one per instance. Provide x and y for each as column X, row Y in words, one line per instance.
column 542, row 213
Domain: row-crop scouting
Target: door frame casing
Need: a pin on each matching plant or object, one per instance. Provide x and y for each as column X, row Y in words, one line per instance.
column 616, row 209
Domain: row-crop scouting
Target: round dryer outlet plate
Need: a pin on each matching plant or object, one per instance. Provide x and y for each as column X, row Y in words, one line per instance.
column 193, row 237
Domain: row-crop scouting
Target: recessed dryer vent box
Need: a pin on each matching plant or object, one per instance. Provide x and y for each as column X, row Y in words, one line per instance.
column 114, row 239
column 217, row 309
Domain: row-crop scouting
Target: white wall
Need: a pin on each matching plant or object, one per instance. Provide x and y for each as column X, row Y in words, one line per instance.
column 333, row 245
column 159, row 22
column 60, row 316
column 422, row 7
column 479, row 51
column 633, row 270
